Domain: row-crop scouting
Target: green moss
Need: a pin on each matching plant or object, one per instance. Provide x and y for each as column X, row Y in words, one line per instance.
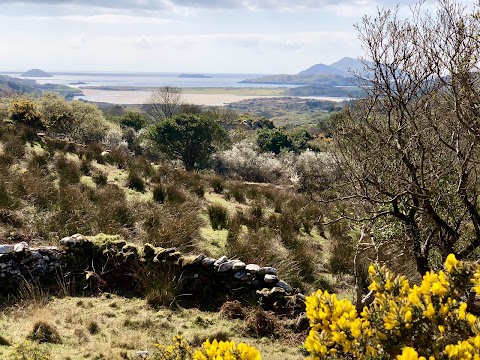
column 107, row 241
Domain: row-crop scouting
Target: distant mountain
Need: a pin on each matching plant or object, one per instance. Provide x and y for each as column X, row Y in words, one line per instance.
column 36, row 73
column 350, row 65
column 301, row 79
column 322, row 69
column 11, row 86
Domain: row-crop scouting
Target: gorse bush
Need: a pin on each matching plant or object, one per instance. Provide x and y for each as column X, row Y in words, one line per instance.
column 226, row 350
column 426, row 321
column 25, row 111
column 215, row 350
column 29, row 351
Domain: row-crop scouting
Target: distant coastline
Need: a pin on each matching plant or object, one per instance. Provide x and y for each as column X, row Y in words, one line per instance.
column 195, row 76
column 208, row 97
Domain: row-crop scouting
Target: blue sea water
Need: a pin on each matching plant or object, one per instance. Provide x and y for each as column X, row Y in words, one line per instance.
column 145, row 79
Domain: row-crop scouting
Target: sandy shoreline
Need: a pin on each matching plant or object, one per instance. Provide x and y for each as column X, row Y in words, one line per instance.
column 141, row 96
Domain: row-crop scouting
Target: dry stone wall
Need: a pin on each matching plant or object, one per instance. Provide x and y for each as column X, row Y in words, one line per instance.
column 108, row 263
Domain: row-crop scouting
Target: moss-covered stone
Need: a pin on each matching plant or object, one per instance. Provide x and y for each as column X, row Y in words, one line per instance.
column 149, row 251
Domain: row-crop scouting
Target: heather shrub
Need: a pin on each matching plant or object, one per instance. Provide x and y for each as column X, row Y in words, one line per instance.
column 73, row 211
column 117, row 157
column 36, row 186
column 135, row 181
column 100, row 178
column 198, row 190
column 217, row 185
column 7, row 200
column 260, row 323
column 237, row 192
column 177, row 225
column 113, row 213
column 175, row 194
column 159, row 193
column 342, row 248
column 44, row 332
column 218, row 216
column 68, row 171
column 85, row 167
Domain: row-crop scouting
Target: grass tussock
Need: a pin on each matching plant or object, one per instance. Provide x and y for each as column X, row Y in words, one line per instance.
column 44, row 332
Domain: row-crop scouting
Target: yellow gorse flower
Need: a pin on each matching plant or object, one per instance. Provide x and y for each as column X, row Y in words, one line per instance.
column 226, row 350
column 421, row 316
column 409, row 353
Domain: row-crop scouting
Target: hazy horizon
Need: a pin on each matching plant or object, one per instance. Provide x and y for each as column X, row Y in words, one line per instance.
column 175, row 36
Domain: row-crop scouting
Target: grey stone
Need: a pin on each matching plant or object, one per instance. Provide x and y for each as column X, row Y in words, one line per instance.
column 78, row 237
column 241, row 275
column 269, row 278
column 208, row 261
column 198, row 260
column 142, row 354
column 252, row 268
column 225, row 266
column 36, row 255
column 3, row 265
column 6, row 249
column 68, row 241
column 267, row 270
column 220, row 261
column 284, row 286
column 21, row 247
column 238, row 265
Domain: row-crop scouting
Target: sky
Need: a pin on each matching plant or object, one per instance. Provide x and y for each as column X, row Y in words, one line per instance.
column 196, row 36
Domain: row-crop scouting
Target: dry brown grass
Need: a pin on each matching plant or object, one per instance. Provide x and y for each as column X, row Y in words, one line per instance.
column 113, row 327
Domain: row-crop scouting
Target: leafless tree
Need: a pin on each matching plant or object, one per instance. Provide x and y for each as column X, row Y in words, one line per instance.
column 410, row 150
column 164, row 102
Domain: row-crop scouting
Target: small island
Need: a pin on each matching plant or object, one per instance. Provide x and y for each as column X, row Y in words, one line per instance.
column 36, row 73
column 196, row 76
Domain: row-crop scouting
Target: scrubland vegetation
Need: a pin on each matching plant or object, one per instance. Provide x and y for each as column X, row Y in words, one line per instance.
column 392, row 179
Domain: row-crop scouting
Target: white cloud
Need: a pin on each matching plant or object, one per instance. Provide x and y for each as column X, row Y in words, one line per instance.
column 107, row 19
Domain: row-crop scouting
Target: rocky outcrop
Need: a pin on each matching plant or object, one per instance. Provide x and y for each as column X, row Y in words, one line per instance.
column 108, row 263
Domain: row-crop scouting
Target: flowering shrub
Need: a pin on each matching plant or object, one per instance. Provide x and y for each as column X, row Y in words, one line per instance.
column 223, row 350
column 426, row 321
column 29, row 351
column 226, row 350
column 178, row 350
